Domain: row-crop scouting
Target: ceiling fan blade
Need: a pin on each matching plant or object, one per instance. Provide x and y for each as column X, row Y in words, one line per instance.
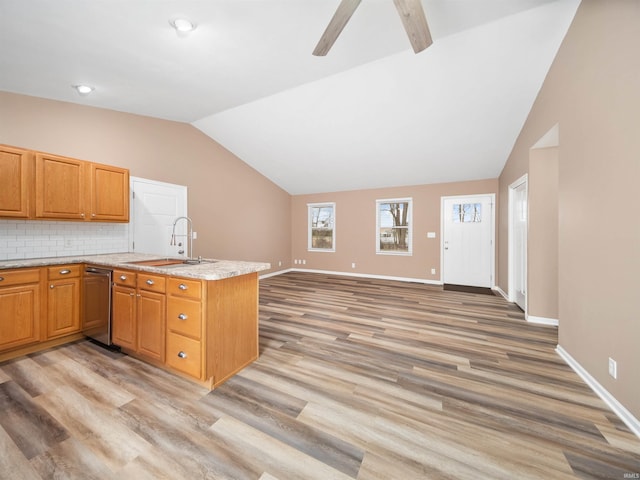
column 415, row 23
column 336, row 25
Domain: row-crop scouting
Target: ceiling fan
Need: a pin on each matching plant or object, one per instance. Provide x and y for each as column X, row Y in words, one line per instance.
column 411, row 13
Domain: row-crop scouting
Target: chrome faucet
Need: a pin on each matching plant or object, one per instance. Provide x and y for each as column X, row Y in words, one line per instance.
column 189, row 235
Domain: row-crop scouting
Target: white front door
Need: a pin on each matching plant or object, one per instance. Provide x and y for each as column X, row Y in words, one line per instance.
column 467, row 240
column 154, row 208
column 518, row 227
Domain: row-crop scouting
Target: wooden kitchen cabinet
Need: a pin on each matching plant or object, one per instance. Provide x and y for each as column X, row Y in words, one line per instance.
column 184, row 327
column 212, row 326
column 139, row 313
column 151, row 320
column 67, row 188
column 123, row 313
column 20, row 303
column 16, row 177
column 63, row 300
column 60, row 187
column 109, row 193
column 38, row 185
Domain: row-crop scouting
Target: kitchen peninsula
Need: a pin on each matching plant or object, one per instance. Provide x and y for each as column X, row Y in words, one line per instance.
column 197, row 320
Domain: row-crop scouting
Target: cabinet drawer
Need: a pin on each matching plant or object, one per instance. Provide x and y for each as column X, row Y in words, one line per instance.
column 125, row 278
column 185, row 288
column 63, row 271
column 183, row 354
column 152, row 283
column 16, row 277
column 184, row 316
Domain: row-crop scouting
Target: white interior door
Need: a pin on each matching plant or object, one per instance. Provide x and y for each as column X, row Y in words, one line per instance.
column 518, row 227
column 467, row 240
column 154, row 208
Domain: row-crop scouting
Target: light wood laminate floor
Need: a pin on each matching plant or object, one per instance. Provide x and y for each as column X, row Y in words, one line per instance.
column 357, row 378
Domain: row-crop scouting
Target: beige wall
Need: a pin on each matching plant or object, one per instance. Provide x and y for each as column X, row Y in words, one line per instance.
column 356, row 230
column 592, row 92
column 238, row 213
column 542, row 254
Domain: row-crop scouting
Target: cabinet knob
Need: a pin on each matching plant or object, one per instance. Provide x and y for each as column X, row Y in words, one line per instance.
column 182, row 316
column 132, row 294
column 93, row 214
column 150, row 282
column 52, row 286
column 64, row 272
column 123, row 277
column 182, row 286
column 182, row 355
column 1, row 279
column 82, row 215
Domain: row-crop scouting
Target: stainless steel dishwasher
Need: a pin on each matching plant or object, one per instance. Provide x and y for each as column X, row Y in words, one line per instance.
column 96, row 304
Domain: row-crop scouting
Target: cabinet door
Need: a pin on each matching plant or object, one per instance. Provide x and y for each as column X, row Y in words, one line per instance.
column 60, row 187
column 109, row 193
column 63, row 307
column 123, row 315
column 19, row 315
column 15, row 178
column 151, row 324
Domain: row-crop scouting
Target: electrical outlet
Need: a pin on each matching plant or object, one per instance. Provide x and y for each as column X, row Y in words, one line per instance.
column 353, row 265
column 613, row 368
column 433, row 271
column 279, row 263
column 304, row 262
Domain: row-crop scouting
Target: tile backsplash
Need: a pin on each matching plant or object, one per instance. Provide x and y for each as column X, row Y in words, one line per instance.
column 33, row 239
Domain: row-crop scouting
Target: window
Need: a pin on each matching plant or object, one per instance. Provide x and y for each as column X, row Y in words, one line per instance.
column 393, row 226
column 322, row 231
column 467, row 212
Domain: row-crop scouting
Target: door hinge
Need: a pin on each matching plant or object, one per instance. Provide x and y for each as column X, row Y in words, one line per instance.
column 133, row 194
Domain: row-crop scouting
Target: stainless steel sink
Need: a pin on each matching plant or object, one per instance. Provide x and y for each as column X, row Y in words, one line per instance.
column 170, row 262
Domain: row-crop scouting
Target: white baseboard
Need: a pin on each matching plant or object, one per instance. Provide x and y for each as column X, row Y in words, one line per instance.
column 619, row 409
column 273, row 274
column 542, row 320
column 501, row 292
column 351, row 274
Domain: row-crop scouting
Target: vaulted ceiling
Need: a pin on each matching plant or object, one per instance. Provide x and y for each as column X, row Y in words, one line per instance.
column 369, row 114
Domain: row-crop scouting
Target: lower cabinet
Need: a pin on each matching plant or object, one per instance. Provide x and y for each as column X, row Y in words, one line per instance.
column 206, row 330
column 20, row 302
column 139, row 313
column 184, row 327
column 123, row 316
column 63, row 300
column 151, row 318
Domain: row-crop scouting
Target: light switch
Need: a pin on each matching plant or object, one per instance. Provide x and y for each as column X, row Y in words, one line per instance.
column 431, row 234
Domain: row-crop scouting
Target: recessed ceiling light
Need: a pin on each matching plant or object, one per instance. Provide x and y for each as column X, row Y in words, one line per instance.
column 182, row 25
column 83, row 89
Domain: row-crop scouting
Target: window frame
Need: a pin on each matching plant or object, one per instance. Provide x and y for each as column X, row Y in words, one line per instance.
column 409, row 227
column 310, row 207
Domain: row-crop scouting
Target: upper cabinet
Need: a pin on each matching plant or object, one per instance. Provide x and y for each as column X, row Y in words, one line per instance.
column 109, row 193
column 15, row 175
column 60, row 187
column 43, row 186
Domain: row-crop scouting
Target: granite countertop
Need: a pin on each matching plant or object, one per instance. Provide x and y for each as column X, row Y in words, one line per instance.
column 209, row 269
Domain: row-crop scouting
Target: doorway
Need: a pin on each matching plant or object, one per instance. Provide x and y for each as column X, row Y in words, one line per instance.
column 468, row 240
column 154, row 208
column 518, row 236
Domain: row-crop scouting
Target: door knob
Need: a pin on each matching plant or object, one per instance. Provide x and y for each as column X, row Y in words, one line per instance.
column 182, row 355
